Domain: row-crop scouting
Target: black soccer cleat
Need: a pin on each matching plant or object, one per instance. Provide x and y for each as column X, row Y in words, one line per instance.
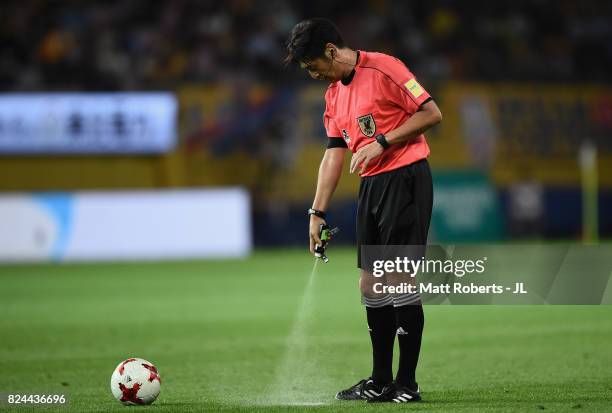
column 397, row 394
column 364, row 390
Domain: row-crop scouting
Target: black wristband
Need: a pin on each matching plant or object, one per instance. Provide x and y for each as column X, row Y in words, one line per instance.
column 382, row 140
column 316, row 212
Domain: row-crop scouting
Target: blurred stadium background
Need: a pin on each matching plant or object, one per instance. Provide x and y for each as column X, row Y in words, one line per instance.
column 161, row 129
column 522, row 85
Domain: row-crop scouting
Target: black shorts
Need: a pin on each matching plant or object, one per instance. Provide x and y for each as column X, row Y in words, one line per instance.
column 394, row 207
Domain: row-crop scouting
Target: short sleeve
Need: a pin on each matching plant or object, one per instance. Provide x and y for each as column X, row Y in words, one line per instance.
column 331, row 128
column 403, row 89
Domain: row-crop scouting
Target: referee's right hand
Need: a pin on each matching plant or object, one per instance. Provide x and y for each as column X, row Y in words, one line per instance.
column 315, row 222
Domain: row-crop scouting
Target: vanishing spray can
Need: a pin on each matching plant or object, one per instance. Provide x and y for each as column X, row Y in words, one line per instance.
column 325, row 234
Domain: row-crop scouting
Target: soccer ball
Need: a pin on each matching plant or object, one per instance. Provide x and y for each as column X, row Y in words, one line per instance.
column 135, row 381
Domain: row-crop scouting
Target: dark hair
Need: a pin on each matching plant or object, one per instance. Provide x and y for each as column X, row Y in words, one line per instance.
column 308, row 39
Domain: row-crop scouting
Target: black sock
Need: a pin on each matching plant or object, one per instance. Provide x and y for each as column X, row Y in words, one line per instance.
column 381, row 322
column 410, row 320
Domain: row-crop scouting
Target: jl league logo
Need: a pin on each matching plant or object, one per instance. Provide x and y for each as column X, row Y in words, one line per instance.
column 367, row 125
column 346, row 136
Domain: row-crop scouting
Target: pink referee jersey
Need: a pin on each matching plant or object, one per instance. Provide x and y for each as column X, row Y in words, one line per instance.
column 381, row 96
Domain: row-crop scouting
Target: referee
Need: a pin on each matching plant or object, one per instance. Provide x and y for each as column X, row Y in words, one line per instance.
column 374, row 107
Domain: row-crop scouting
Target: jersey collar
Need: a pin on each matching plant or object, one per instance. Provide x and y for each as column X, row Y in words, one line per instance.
column 347, row 80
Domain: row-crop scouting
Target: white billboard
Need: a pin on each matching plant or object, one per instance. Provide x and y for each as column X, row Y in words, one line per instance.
column 79, row 123
column 125, row 225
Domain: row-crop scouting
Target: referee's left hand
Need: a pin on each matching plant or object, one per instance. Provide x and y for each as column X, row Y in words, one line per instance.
column 364, row 155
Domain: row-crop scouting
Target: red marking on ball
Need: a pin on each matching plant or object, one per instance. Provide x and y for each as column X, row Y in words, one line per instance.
column 154, row 375
column 122, row 366
column 130, row 394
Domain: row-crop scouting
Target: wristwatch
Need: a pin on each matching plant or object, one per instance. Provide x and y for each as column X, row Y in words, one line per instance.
column 316, row 212
column 382, row 140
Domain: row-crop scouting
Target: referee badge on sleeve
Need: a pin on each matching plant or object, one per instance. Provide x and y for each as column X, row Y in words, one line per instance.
column 367, row 125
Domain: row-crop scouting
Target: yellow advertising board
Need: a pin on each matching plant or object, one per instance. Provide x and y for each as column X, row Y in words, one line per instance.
column 531, row 132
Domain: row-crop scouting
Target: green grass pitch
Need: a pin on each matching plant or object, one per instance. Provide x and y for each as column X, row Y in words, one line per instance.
column 243, row 336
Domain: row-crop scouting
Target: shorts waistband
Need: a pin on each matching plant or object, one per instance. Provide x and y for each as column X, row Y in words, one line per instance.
column 410, row 165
